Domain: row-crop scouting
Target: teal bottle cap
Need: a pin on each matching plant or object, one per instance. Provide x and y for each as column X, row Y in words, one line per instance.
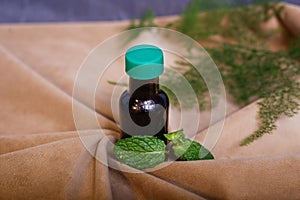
column 144, row 62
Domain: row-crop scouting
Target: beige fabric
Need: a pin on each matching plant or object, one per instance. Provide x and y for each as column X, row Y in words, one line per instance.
column 43, row 156
column 290, row 19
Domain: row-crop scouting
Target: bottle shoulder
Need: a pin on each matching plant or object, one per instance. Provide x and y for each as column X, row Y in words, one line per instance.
column 141, row 96
column 162, row 93
column 125, row 97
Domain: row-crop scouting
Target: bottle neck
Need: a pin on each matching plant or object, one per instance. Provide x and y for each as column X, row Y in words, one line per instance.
column 150, row 87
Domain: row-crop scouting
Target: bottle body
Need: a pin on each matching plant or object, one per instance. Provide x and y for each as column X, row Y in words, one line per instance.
column 144, row 109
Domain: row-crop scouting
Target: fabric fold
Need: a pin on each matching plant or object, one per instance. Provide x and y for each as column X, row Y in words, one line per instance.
column 251, row 178
column 31, row 105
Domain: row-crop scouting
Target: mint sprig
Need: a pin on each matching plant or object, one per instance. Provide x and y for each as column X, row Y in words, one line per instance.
column 140, row 152
column 143, row 152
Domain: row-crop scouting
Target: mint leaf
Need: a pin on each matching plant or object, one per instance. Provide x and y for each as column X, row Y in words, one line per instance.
column 185, row 149
column 140, row 152
column 174, row 136
column 193, row 151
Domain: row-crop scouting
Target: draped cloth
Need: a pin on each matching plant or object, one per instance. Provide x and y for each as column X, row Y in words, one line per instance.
column 42, row 156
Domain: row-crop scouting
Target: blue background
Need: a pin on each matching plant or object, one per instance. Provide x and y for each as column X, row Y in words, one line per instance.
column 20, row 11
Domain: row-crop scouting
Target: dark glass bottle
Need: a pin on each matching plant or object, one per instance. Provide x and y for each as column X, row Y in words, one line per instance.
column 144, row 107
